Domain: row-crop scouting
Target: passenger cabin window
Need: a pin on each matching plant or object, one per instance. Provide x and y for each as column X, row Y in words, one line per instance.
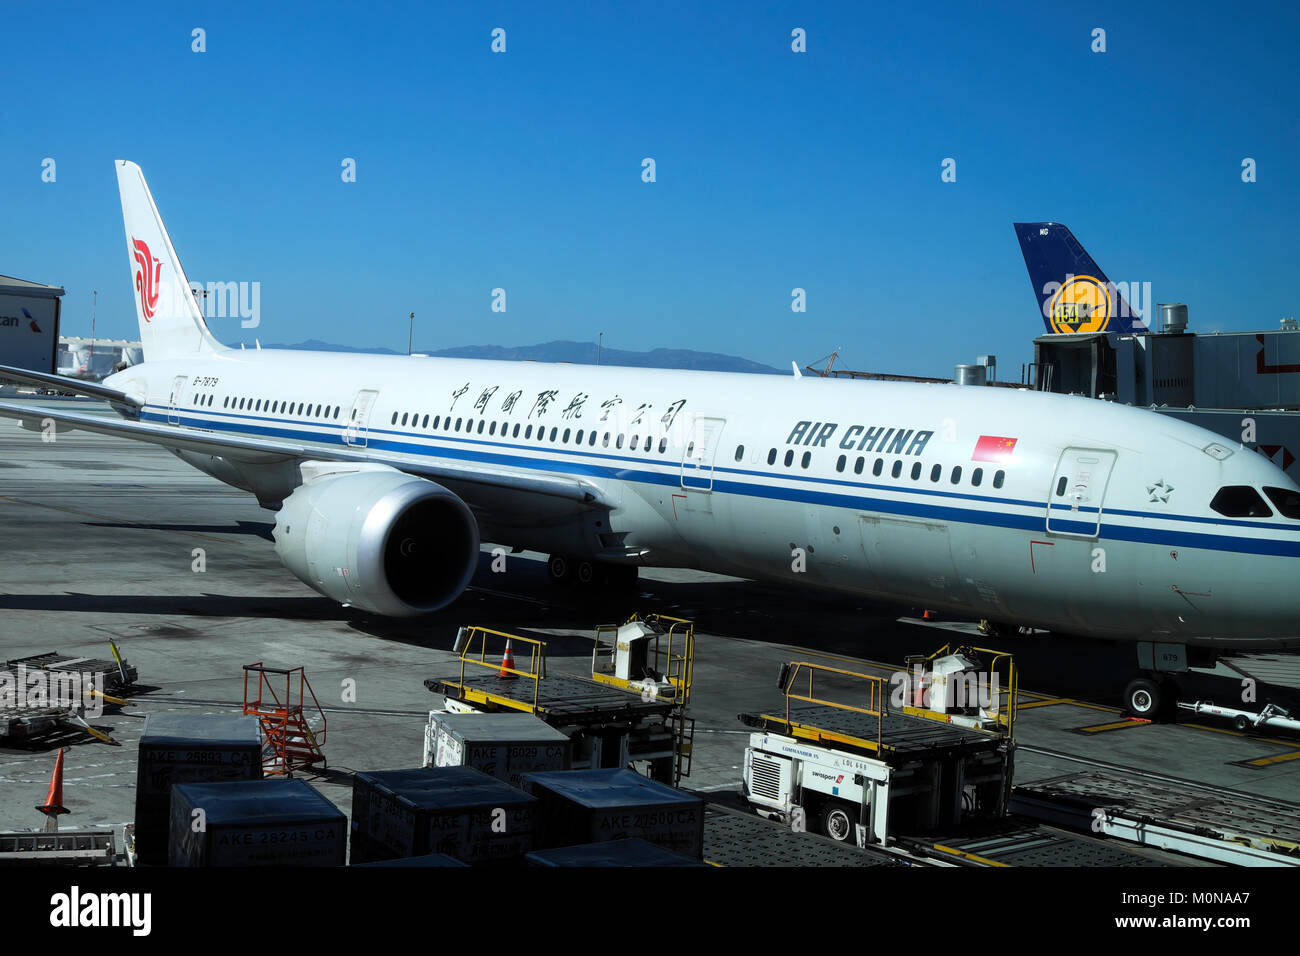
column 771, row 457
column 839, row 464
column 861, row 463
column 740, row 450
column 998, row 478
column 807, row 459
column 789, row 458
column 916, row 470
column 977, row 476
column 897, row 469
column 1285, row 500
column 956, row 475
column 936, row 472
column 1240, row 501
column 1060, row 486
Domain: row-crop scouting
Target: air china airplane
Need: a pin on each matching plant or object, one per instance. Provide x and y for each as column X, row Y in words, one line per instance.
column 386, row 472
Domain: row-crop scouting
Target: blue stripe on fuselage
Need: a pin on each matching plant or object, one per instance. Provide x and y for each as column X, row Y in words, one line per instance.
column 985, row 517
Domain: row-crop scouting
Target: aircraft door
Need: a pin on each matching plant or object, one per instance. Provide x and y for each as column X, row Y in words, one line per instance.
column 356, row 432
column 173, row 403
column 701, row 449
column 1074, row 501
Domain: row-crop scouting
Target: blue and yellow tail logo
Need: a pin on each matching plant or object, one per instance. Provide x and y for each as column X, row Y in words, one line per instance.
column 1081, row 304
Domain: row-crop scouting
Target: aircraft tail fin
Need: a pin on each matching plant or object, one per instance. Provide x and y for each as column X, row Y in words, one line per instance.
column 1073, row 293
column 171, row 325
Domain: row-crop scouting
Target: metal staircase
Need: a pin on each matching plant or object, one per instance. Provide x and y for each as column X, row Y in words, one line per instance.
column 290, row 742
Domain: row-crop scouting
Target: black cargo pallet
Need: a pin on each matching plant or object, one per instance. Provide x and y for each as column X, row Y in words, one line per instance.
column 80, row 665
column 1021, row 844
column 734, row 838
column 561, row 700
column 904, row 736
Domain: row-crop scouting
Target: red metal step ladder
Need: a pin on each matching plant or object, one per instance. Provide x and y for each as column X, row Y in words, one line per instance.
column 291, row 744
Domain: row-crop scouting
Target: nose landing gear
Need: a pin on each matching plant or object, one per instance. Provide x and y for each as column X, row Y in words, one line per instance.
column 1150, row 697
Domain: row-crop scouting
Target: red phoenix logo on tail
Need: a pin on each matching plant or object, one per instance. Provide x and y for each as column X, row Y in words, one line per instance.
column 147, row 277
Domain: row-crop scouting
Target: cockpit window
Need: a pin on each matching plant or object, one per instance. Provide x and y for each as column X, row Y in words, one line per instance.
column 1240, row 501
column 1285, row 500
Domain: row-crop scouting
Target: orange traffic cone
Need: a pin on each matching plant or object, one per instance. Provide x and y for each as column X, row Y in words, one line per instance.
column 507, row 663
column 927, row 615
column 53, row 805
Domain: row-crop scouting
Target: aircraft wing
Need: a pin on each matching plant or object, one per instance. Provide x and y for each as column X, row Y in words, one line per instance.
column 261, row 450
column 73, row 386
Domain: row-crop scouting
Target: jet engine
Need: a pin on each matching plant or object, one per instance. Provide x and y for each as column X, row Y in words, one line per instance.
column 376, row 538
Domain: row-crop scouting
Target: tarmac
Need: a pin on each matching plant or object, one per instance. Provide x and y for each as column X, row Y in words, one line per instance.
column 109, row 539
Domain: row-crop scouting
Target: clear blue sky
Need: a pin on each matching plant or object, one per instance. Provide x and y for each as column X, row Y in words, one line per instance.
column 775, row 170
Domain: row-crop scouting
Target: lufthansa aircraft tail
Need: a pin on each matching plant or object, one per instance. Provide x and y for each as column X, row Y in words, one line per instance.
column 171, row 325
column 1073, row 293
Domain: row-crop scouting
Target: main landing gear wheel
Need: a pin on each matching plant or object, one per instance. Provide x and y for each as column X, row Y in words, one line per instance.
column 563, row 569
column 558, row 569
column 837, row 822
column 1150, row 698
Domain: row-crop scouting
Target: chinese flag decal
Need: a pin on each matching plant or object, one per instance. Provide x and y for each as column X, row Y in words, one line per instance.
column 994, row 448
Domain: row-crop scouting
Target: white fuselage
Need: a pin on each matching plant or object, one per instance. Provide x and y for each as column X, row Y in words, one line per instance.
column 759, row 476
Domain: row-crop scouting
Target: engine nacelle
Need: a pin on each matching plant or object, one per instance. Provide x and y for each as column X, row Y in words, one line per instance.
column 378, row 539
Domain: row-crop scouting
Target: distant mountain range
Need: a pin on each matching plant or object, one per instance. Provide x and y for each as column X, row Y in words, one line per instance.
column 579, row 353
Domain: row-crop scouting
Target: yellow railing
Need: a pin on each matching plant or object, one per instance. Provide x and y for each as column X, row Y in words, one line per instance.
column 679, row 654
column 1005, row 708
column 471, row 638
column 676, row 661
column 796, row 672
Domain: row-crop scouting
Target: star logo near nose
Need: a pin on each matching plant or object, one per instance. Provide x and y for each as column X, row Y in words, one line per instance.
column 1160, row 491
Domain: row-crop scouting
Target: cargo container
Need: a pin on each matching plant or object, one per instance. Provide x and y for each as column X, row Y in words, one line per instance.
column 255, row 823
column 630, row 852
column 505, row 746
column 459, row 811
column 592, row 806
column 187, row 748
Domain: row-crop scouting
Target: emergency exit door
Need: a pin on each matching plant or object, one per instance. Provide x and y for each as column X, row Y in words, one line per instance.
column 1078, row 489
